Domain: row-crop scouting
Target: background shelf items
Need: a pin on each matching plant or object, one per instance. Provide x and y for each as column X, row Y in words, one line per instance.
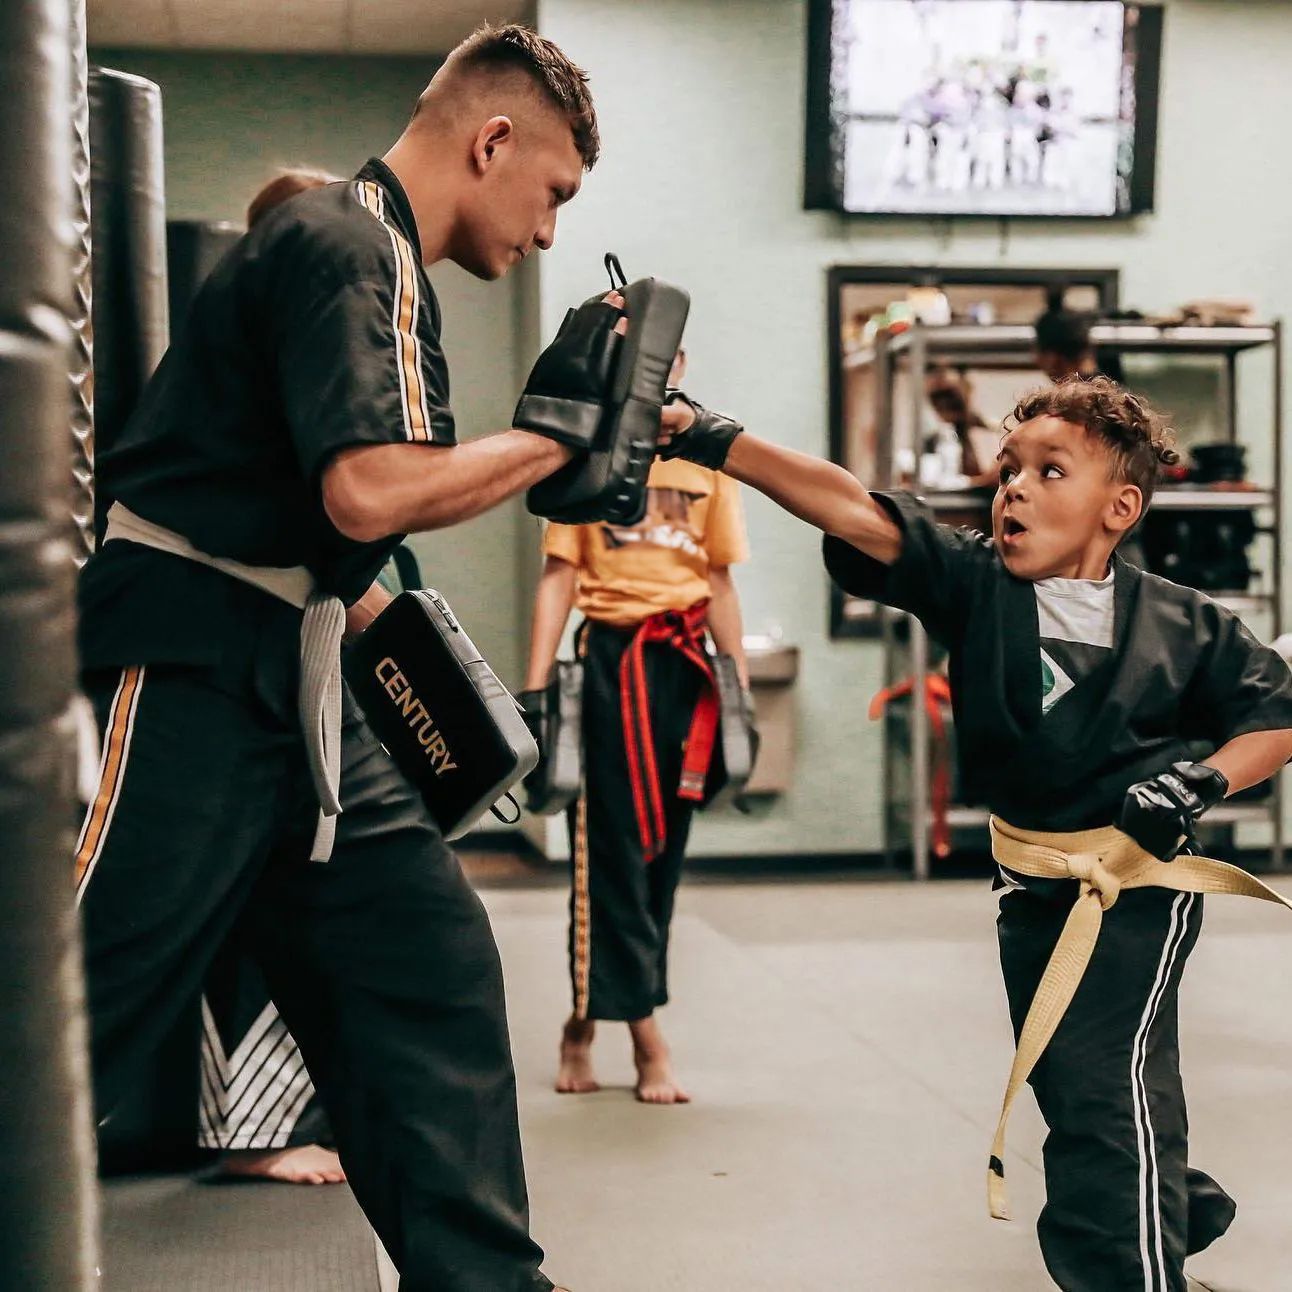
column 913, row 353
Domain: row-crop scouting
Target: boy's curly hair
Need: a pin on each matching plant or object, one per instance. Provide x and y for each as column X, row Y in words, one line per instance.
column 1137, row 437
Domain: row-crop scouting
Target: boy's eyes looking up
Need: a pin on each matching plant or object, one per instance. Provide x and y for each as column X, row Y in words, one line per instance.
column 1050, row 471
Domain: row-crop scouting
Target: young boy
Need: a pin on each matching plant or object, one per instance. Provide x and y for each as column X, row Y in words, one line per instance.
column 655, row 587
column 1085, row 693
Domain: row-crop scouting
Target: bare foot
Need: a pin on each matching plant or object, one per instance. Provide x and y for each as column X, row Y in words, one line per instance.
column 656, row 1082
column 575, row 1076
column 307, row 1164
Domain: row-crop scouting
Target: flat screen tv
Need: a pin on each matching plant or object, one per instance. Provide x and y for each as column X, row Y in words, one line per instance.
column 982, row 107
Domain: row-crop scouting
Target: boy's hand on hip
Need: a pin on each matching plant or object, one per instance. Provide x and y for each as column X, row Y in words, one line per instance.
column 1160, row 814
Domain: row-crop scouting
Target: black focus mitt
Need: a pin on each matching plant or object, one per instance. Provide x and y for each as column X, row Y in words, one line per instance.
column 608, row 482
column 565, row 396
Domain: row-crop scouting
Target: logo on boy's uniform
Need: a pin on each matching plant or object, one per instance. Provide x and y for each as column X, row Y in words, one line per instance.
column 1055, row 683
column 668, row 523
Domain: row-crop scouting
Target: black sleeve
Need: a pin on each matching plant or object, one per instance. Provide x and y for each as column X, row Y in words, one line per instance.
column 934, row 576
column 361, row 363
column 1240, row 685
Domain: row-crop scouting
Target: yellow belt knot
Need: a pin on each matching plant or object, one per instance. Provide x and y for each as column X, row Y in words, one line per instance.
column 1089, row 868
column 1105, row 861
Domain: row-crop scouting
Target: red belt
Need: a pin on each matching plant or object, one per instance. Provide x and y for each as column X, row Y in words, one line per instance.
column 937, row 694
column 683, row 630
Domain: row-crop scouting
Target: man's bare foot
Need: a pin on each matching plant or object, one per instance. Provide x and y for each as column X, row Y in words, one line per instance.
column 656, row 1082
column 575, row 1075
column 306, row 1164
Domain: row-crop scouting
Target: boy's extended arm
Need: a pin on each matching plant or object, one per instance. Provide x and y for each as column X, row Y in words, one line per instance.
column 819, row 492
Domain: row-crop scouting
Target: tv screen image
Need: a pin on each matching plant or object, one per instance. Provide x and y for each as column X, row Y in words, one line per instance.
column 986, row 107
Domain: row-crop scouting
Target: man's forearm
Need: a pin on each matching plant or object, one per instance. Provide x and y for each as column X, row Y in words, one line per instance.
column 374, row 490
column 725, row 621
column 819, row 492
column 1252, row 758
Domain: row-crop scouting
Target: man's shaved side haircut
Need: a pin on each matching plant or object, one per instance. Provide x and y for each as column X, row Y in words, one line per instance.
column 517, row 52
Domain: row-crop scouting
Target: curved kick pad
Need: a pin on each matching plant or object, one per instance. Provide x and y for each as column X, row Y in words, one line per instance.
column 609, row 482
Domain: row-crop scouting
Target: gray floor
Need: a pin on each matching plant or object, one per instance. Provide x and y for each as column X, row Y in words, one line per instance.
column 846, row 1044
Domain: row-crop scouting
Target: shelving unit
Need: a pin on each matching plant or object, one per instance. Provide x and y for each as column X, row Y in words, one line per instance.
column 908, row 815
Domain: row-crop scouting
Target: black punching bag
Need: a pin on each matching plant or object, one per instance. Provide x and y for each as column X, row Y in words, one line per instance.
column 128, row 201
column 193, row 249
column 47, row 1193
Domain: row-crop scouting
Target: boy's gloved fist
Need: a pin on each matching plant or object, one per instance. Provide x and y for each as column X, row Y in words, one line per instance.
column 1160, row 813
column 705, row 440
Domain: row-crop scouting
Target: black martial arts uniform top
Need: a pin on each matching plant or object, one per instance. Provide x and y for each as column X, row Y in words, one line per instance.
column 318, row 330
column 1183, row 678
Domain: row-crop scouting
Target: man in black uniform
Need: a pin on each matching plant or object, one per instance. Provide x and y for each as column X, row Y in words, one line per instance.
column 298, row 427
column 1086, row 693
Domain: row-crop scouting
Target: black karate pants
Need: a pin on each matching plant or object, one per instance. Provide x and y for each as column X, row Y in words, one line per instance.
column 1123, row 1209
column 620, row 905
column 381, row 961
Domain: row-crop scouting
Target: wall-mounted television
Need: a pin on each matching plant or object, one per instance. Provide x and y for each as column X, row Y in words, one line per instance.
column 982, row 107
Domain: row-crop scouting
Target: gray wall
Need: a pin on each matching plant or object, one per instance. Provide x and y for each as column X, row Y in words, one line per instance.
column 700, row 182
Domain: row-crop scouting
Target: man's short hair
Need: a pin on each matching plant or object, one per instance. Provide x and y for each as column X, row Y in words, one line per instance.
column 1137, row 438
column 1063, row 332
column 516, row 48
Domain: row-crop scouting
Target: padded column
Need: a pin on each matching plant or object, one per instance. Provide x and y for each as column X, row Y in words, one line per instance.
column 47, row 1190
column 82, row 361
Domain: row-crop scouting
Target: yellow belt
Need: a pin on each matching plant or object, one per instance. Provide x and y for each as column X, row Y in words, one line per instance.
column 1106, row 861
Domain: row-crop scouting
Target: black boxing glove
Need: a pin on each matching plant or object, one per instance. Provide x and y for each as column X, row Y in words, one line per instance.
column 565, row 395
column 708, row 439
column 1160, row 813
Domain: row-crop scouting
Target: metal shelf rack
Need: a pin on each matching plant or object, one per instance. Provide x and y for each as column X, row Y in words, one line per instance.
column 920, row 347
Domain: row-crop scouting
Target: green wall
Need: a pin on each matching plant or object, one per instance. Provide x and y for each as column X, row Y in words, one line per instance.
column 700, row 182
column 232, row 119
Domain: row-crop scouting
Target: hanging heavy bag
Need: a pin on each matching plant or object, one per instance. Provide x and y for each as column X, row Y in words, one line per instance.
column 554, row 716
column 450, row 725
column 736, row 749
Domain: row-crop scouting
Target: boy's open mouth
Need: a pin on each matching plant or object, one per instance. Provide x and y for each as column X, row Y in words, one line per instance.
column 1011, row 528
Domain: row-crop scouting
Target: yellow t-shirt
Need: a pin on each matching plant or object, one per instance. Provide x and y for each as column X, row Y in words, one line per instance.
column 693, row 521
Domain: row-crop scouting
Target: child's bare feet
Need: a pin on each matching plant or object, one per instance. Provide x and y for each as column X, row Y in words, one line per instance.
column 306, row 1164
column 575, row 1075
column 656, row 1082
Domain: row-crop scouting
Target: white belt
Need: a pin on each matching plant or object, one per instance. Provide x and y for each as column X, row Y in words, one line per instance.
column 322, row 626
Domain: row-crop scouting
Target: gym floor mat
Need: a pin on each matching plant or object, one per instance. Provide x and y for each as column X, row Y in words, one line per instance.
column 165, row 1233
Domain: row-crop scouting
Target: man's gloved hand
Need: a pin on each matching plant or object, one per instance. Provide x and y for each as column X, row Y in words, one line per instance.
column 1158, row 813
column 704, row 438
column 569, row 384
